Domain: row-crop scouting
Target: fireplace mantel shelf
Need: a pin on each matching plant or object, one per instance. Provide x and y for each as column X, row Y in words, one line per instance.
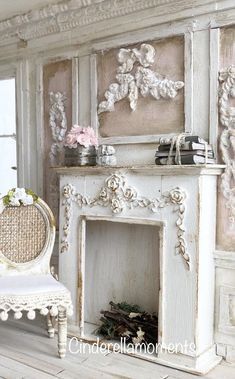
column 148, row 170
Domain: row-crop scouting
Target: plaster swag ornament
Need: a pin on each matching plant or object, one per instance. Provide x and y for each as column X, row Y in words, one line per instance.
column 58, row 124
column 227, row 138
column 119, row 196
column 133, row 80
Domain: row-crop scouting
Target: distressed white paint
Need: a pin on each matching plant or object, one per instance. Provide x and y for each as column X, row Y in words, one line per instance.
column 75, row 87
column 84, row 91
column 186, row 303
column 127, row 274
column 214, row 69
column 118, row 195
column 39, row 117
column 188, row 80
column 201, row 83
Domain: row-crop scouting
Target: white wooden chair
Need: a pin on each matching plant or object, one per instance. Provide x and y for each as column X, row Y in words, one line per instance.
column 27, row 235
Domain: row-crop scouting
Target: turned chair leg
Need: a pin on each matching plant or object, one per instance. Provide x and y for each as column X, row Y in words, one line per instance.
column 50, row 326
column 62, row 332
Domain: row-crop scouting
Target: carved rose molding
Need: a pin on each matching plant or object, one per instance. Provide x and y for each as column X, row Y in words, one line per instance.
column 58, row 124
column 67, row 15
column 119, row 196
column 134, row 77
column 227, row 138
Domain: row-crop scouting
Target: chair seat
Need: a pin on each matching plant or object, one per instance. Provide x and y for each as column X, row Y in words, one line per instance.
column 32, row 292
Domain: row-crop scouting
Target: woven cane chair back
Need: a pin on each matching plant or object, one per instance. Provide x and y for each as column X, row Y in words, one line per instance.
column 25, row 232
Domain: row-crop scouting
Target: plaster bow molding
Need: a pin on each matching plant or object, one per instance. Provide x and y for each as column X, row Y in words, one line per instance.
column 227, row 138
column 117, row 195
column 134, row 77
column 17, row 197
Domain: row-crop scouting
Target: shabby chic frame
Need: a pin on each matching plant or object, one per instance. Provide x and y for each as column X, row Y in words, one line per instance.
column 149, row 36
column 160, row 225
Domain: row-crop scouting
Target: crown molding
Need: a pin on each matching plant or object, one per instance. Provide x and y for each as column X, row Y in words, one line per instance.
column 70, row 14
column 67, row 15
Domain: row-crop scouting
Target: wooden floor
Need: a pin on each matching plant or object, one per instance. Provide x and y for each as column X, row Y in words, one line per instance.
column 26, row 352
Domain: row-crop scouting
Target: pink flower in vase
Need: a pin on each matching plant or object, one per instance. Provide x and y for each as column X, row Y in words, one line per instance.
column 84, row 136
column 76, row 129
column 71, row 140
column 93, row 139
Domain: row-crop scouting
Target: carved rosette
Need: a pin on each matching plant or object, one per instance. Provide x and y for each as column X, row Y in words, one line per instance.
column 227, row 138
column 119, row 196
column 134, row 78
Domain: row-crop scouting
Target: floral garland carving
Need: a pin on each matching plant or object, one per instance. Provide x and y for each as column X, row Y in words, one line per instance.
column 133, row 80
column 118, row 196
column 227, row 138
column 58, row 124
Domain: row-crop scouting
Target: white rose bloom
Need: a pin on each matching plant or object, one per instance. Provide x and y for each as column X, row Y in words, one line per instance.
column 19, row 193
column 14, row 202
column 27, row 200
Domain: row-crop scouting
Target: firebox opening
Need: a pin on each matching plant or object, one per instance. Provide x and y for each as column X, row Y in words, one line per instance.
column 122, row 262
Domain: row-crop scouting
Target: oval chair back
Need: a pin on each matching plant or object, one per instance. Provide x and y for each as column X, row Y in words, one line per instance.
column 27, row 235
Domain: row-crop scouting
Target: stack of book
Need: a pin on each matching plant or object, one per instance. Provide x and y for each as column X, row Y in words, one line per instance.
column 193, row 150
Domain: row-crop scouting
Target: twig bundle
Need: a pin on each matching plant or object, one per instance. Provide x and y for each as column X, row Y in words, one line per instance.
column 129, row 322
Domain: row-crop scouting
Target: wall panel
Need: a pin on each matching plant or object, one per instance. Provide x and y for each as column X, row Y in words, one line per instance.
column 151, row 116
column 225, row 229
column 57, row 79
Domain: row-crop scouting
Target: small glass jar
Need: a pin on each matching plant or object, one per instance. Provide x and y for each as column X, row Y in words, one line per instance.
column 80, row 156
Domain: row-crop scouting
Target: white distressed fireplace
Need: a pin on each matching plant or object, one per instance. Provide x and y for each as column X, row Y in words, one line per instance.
column 144, row 235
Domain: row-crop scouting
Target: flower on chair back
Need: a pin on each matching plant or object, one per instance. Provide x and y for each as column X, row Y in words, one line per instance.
column 79, row 135
column 16, row 197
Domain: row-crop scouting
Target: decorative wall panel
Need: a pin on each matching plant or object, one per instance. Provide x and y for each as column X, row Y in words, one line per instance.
column 225, row 304
column 151, row 116
column 57, row 92
column 227, row 310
